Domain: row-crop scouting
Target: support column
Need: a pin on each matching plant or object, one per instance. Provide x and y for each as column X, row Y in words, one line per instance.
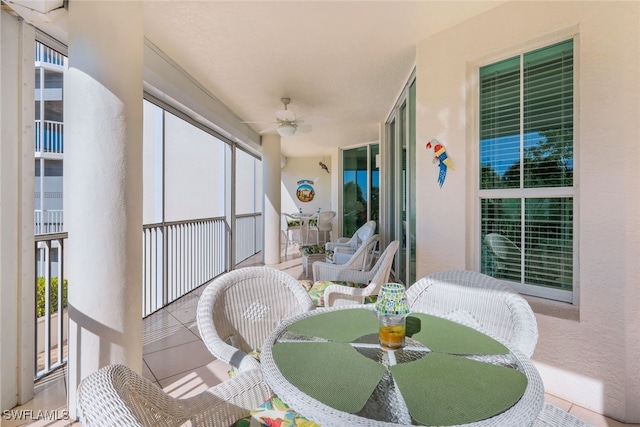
column 17, row 275
column 271, row 182
column 103, row 187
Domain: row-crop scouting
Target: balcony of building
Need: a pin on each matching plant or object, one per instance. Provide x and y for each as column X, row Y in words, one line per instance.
column 394, row 76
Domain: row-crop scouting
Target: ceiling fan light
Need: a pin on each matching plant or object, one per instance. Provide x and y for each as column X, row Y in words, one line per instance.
column 286, row 130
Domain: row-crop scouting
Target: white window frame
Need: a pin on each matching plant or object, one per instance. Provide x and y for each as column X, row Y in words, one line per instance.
column 572, row 296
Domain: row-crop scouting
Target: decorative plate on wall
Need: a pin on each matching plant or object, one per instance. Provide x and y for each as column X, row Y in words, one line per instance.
column 305, row 191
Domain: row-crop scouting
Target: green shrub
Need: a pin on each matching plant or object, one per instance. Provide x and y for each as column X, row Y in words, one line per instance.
column 53, row 295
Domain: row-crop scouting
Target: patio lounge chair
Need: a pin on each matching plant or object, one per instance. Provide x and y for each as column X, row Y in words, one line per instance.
column 346, row 246
column 361, row 260
column 480, row 300
column 335, row 295
column 238, row 310
column 117, row 396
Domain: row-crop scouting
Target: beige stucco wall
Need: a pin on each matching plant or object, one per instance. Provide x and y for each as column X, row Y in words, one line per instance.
column 299, row 168
column 593, row 361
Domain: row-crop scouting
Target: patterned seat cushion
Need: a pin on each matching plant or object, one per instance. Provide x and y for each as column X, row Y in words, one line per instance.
column 306, row 284
column 328, row 256
column 272, row 413
column 312, row 249
column 275, row 413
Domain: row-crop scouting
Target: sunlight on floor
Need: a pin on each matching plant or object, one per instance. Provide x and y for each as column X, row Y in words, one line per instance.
column 169, row 335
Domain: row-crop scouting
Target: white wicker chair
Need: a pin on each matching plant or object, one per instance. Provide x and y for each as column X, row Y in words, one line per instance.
column 293, row 232
column 506, row 255
column 469, row 296
column 349, row 245
column 117, row 396
column 361, row 260
column 552, row 416
column 336, row 295
column 238, row 310
column 324, row 225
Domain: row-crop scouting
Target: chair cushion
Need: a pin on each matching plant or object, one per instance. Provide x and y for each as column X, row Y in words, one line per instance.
column 312, row 249
column 317, row 290
column 328, row 256
column 274, row 412
column 371, row 299
column 341, row 258
column 253, row 353
column 306, row 284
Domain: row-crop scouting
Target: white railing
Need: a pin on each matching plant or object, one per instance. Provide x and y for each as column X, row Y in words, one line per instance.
column 46, row 54
column 51, row 304
column 248, row 236
column 180, row 256
column 49, row 136
column 177, row 258
column 48, row 221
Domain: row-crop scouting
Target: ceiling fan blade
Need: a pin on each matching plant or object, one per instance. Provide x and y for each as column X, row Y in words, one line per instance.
column 256, row 122
column 270, row 129
column 313, row 119
column 304, row 128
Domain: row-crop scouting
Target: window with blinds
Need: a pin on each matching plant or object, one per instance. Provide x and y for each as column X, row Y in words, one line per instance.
column 526, row 168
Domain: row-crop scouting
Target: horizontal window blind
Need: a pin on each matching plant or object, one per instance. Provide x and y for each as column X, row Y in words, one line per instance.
column 526, row 143
column 547, row 240
column 501, row 228
column 548, row 116
column 548, row 237
column 500, row 124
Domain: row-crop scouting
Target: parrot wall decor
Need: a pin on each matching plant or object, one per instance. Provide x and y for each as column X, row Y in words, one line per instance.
column 440, row 156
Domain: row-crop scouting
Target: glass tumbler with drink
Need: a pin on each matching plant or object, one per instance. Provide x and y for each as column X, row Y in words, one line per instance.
column 392, row 309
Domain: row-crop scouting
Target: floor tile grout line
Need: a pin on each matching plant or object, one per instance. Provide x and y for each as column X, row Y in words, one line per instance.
column 149, row 368
column 183, row 372
column 173, row 346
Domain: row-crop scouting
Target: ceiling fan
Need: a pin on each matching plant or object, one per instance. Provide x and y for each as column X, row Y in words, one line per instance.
column 286, row 123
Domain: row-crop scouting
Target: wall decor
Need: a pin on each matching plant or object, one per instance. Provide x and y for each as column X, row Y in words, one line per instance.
column 323, row 166
column 441, row 158
column 305, row 191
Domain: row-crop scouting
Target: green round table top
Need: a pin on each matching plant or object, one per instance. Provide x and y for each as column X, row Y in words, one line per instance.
column 445, row 375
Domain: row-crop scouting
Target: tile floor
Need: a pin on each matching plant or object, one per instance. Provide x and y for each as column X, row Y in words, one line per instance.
column 169, row 335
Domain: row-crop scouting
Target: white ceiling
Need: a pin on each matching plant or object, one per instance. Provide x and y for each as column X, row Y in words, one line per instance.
column 338, row 60
column 343, row 61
